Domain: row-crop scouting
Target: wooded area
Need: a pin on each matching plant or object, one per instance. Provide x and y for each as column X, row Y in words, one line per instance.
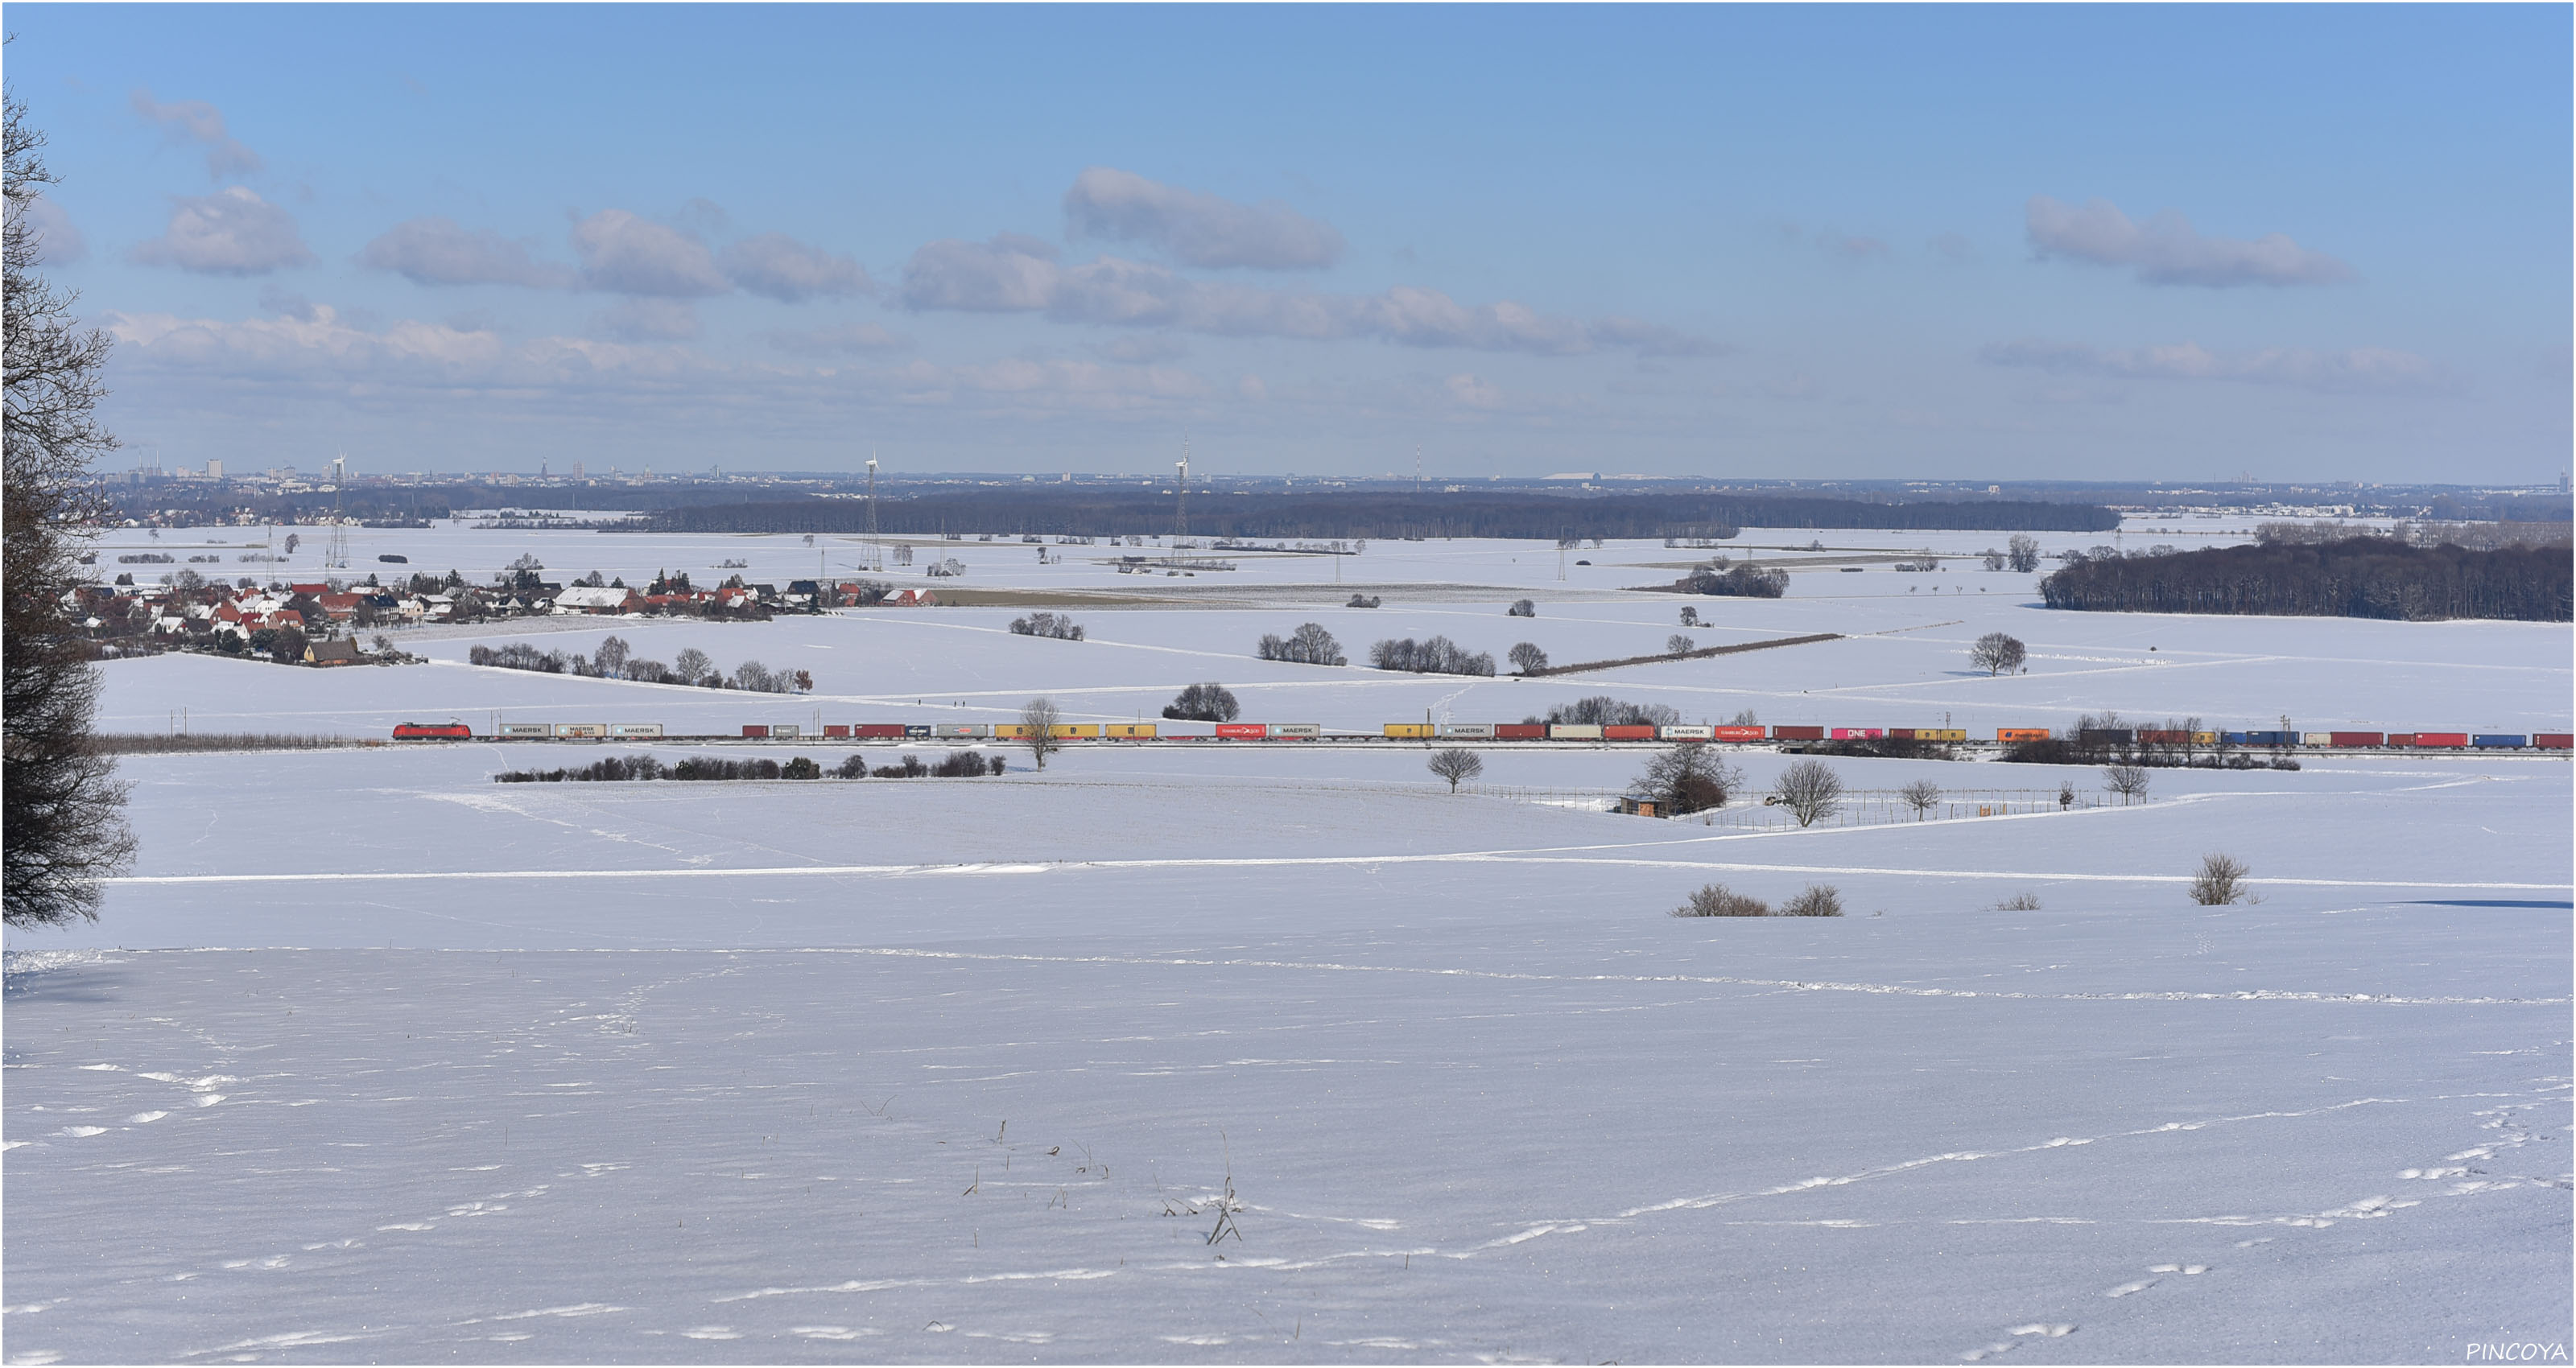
column 2370, row 577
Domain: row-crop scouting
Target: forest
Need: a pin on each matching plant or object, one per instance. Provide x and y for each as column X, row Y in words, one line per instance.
column 2368, row 577
column 1385, row 515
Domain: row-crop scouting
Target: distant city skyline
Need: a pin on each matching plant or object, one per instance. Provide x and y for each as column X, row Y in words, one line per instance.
column 2088, row 243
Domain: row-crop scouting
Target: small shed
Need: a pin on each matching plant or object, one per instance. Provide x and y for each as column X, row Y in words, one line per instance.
column 332, row 653
column 1638, row 805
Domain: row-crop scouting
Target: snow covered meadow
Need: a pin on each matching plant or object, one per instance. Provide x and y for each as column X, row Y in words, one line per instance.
column 1288, row 1054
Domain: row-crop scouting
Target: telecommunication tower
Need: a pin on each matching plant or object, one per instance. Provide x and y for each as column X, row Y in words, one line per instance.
column 1181, row 507
column 876, row 549
column 335, row 554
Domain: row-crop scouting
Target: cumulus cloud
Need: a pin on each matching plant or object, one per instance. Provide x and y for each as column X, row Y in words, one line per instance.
column 1049, row 383
column 626, row 254
column 436, row 251
column 56, row 240
column 1003, row 276
column 1194, row 228
column 845, row 340
column 230, row 232
column 784, row 269
column 195, row 121
column 2357, row 370
column 649, row 320
column 2167, row 250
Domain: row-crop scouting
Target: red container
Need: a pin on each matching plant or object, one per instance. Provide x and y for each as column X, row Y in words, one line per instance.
column 1242, row 731
column 2171, row 738
column 866, row 729
column 831, row 729
column 2441, row 738
column 1520, row 731
column 2554, row 740
column 1900, row 733
column 755, row 730
column 2401, row 738
column 2356, row 738
column 1735, row 733
column 1797, row 733
column 1627, row 733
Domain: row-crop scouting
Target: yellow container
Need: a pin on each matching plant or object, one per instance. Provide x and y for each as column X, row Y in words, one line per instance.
column 2204, row 738
column 1010, row 731
column 1129, row 731
column 1075, row 731
column 1408, row 730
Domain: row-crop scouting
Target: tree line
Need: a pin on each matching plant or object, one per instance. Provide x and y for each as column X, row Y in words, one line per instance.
column 1517, row 514
column 617, row 769
column 2365, row 577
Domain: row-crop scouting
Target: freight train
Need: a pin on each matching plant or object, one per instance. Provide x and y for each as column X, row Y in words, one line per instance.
column 1512, row 731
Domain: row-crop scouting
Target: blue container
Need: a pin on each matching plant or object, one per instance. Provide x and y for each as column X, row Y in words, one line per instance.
column 916, row 729
column 2271, row 738
column 2499, row 739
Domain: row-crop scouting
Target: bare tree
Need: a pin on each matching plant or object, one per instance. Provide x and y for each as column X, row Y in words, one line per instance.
column 2024, row 552
column 1809, row 789
column 611, row 657
column 2128, row 781
column 1454, row 764
column 1997, row 653
column 692, row 665
column 1527, row 658
column 1690, row 616
column 1689, row 778
column 1816, row 900
column 64, row 820
column 1922, row 795
column 1039, row 718
column 2221, row 880
column 1717, row 900
column 1678, row 644
column 1522, row 608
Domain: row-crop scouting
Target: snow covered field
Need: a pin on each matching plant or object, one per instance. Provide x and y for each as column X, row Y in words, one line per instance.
column 373, row 1059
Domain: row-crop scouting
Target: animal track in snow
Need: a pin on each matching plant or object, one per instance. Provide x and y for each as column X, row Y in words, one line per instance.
column 2132, row 1289
column 2187, row 1270
column 2036, row 1329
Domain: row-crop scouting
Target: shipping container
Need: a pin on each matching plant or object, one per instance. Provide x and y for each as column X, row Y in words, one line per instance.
column 1075, row 731
column 785, row 731
column 580, row 731
column 1689, row 733
column 2401, row 738
column 1520, row 731
column 1735, row 733
column 2152, row 737
column 2269, row 738
column 961, row 731
column 525, row 730
column 2106, row 736
column 1573, row 731
column 2316, row 738
column 1408, row 731
column 1940, row 733
column 877, row 730
column 2554, row 740
column 1628, row 733
column 1296, row 731
column 1797, row 733
column 2352, row 738
column 2514, row 740
column 836, row 731
column 2021, row 734
column 1129, row 731
column 2441, row 738
column 1480, row 731
column 1003, row 731
column 917, row 730
column 2204, row 738
column 635, row 730
column 754, row 731
column 1242, row 731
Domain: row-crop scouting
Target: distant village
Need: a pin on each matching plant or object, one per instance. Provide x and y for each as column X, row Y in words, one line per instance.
column 322, row 622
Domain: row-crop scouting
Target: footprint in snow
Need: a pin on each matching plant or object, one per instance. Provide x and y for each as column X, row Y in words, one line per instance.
column 145, row 1118
column 2132, row 1289
column 2187, row 1270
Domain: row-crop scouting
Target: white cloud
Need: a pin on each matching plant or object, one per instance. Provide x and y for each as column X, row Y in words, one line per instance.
column 230, row 232
column 626, row 254
column 2357, row 370
column 1005, row 276
column 784, row 269
column 435, row 251
column 199, row 122
column 849, row 338
column 1051, row 383
column 1194, row 228
column 56, row 240
column 1143, row 347
column 2167, row 250
column 649, row 320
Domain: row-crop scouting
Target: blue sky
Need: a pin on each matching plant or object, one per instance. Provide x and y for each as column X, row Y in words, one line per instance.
column 2310, row 242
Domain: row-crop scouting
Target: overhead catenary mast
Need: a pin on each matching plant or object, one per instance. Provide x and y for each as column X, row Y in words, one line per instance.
column 876, row 548
column 1181, row 508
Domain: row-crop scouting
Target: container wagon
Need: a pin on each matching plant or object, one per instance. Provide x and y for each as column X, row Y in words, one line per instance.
column 1475, row 731
column 1797, row 733
column 2440, row 739
column 1628, row 733
column 1296, row 731
column 2500, row 740
column 1010, row 731
column 877, row 731
column 1688, row 733
column 2264, row 738
column 2107, row 736
column 785, row 730
column 1520, row 731
column 1573, row 731
column 2554, row 740
column 526, row 731
column 1735, row 733
column 836, row 731
column 2352, row 738
column 1940, row 733
column 1408, row 731
column 753, row 731
column 1242, row 731
column 917, row 730
column 1129, row 731
column 962, row 731
column 580, row 731
column 432, row 731
column 2009, row 734
column 1071, row 731
column 1857, row 733
column 635, row 731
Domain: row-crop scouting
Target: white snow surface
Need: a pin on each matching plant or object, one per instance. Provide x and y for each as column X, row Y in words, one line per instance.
column 371, row 1058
